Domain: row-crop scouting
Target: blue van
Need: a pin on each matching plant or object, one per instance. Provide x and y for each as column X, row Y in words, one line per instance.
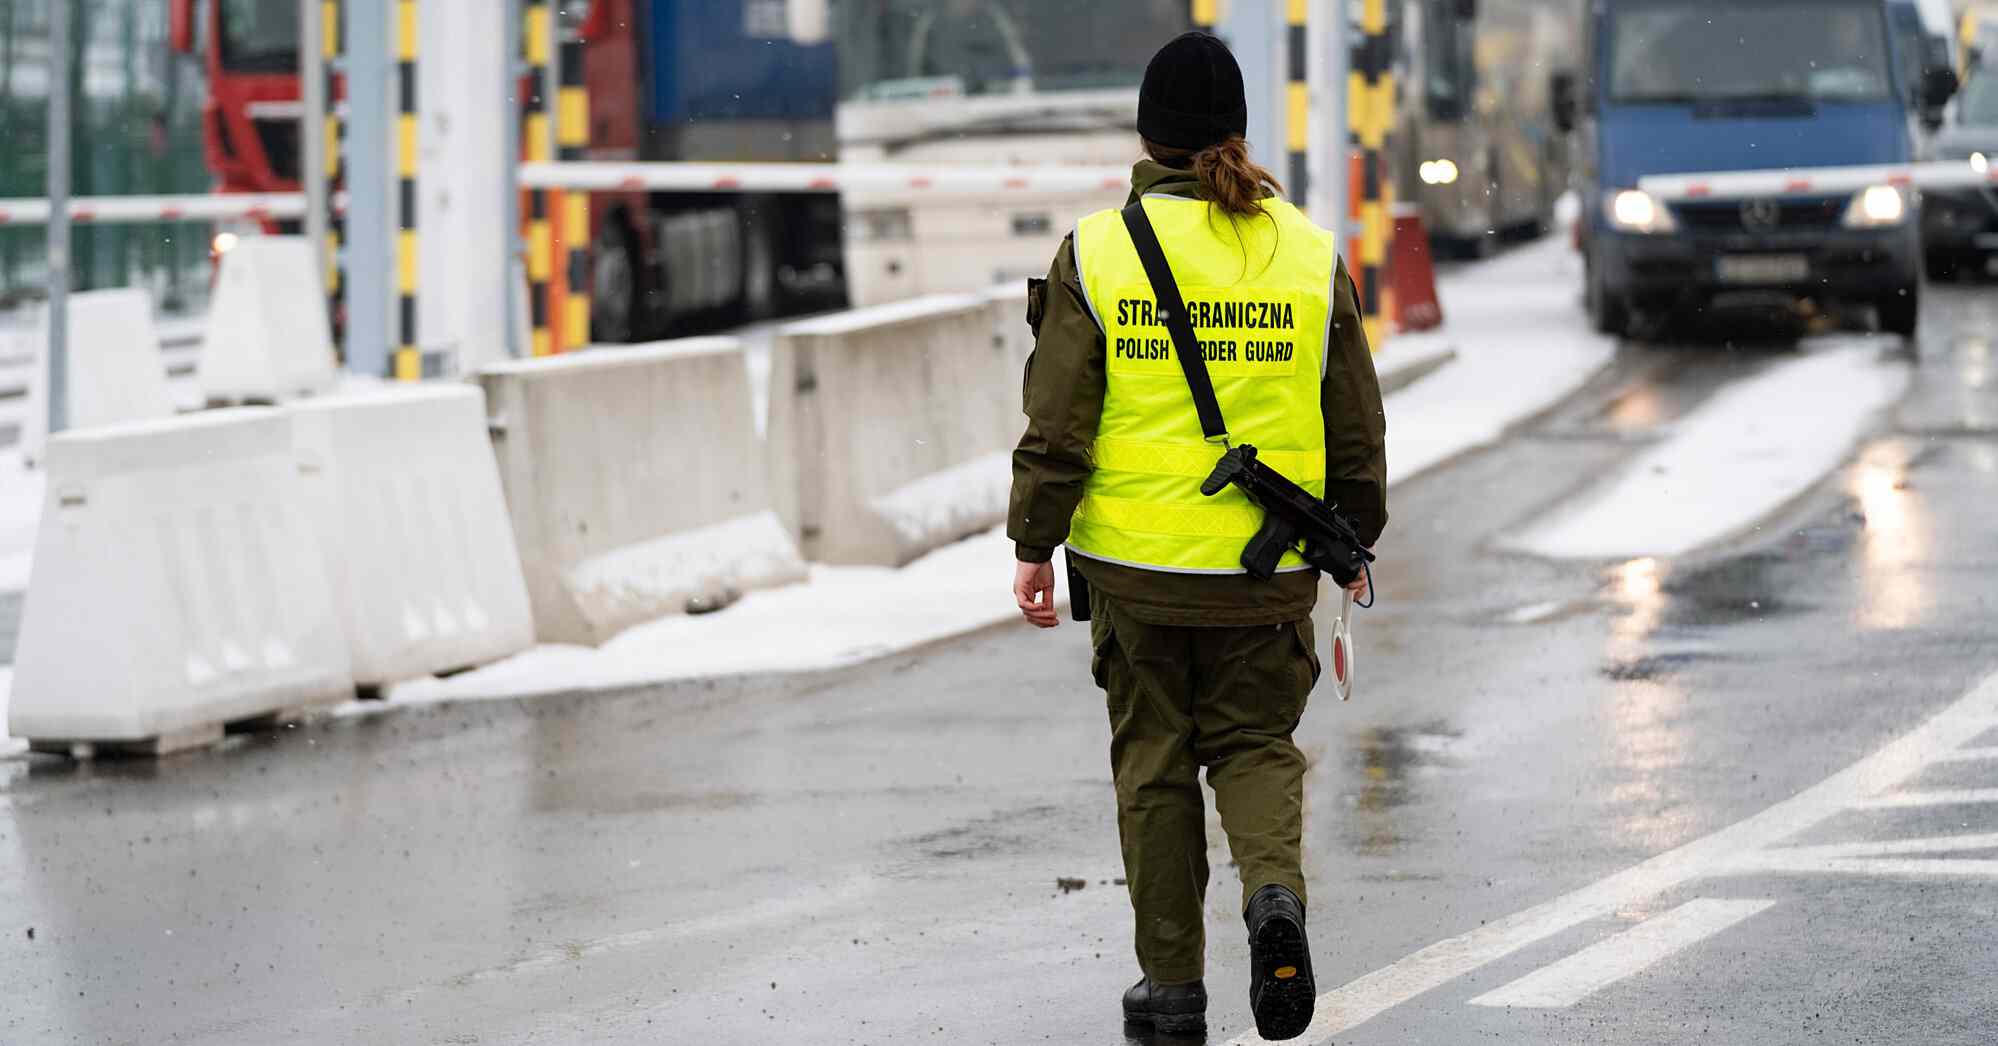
column 1677, row 86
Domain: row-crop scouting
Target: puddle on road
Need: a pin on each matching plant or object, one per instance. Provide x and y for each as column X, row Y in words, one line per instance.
column 1388, row 764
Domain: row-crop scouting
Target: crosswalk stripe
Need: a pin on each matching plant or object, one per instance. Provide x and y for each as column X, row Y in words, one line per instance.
column 1596, row 967
column 1943, row 797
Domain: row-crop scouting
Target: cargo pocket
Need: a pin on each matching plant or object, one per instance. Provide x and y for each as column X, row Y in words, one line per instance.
column 1305, row 657
column 1105, row 661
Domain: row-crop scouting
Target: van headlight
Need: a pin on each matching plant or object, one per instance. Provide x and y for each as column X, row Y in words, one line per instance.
column 1980, row 163
column 1876, row 206
column 1634, row 210
column 1438, row 172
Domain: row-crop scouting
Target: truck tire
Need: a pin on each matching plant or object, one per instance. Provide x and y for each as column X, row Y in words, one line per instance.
column 1942, row 266
column 1900, row 310
column 1607, row 310
column 613, row 283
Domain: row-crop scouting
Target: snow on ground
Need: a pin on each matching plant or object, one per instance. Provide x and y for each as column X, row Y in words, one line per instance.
column 1739, row 457
column 842, row 616
column 1523, row 343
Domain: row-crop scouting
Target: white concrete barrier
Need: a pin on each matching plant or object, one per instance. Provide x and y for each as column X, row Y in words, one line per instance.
column 173, row 590
column 268, row 338
column 115, row 373
column 1008, row 302
column 404, row 495
column 884, row 428
column 637, row 485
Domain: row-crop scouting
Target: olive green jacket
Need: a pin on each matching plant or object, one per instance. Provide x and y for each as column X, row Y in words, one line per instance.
column 1065, row 387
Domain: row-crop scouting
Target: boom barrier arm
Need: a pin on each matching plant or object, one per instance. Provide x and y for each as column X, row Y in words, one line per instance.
column 820, row 177
column 1805, row 181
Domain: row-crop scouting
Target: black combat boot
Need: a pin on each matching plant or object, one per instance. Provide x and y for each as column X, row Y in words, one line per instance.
column 1281, row 991
column 1172, row 1009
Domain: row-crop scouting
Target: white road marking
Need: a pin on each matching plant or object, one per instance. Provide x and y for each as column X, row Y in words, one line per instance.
column 1366, row 997
column 1928, row 844
column 1944, row 797
column 1777, row 862
column 1612, row 959
column 1969, row 755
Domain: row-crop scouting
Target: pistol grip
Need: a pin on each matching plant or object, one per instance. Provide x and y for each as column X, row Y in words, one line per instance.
column 1264, row 551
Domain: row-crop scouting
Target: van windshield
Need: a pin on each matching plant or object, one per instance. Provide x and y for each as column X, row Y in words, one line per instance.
column 1802, row 50
column 1980, row 99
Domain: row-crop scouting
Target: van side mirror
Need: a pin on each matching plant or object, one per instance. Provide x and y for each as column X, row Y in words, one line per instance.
column 1939, row 84
column 180, row 26
column 1561, row 94
column 1467, row 10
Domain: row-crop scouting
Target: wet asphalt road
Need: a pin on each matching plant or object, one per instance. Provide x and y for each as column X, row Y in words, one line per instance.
column 871, row 855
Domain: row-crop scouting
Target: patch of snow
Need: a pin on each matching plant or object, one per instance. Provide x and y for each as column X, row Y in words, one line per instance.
column 704, row 564
column 1736, row 459
column 1523, row 344
column 843, row 616
column 955, row 501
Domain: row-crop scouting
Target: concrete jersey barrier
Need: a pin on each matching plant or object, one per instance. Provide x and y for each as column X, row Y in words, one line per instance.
column 885, row 428
column 115, row 370
column 404, row 497
column 173, row 590
column 268, row 339
column 636, row 483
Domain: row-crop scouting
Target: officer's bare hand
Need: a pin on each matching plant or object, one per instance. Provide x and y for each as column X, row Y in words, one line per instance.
column 1033, row 590
column 1358, row 588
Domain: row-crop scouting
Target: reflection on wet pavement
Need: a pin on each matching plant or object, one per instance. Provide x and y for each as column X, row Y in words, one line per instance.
column 1389, row 762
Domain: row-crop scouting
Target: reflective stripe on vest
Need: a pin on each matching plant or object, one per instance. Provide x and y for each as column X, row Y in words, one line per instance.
column 1259, row 294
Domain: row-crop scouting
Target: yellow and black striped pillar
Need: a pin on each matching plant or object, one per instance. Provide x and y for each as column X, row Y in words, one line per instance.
column 535, row 147
column 1297, row 96
column 1369, row 111
column 1205, row 14
column 408, row 356
column 335, row 171
column 572, row 130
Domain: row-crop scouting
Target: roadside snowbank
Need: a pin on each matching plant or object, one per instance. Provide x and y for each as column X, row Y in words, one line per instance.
column 1736, row 459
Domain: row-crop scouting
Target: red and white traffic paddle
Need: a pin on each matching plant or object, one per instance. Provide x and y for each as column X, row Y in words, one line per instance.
column 1342, row 650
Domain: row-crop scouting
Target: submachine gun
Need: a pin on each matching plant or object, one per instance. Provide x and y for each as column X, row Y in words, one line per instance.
column 1291, row 515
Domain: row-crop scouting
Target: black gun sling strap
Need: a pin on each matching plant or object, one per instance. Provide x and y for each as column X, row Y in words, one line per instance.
column 1172, row 311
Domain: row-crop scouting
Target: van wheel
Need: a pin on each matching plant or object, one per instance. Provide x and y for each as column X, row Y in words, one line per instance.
column 1899, row 311
column 1942, row 266
column 1607, row 309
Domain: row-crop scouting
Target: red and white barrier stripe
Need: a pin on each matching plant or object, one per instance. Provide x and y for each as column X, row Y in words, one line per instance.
column 109, row 210
column 1822, row 181
column 822, row 177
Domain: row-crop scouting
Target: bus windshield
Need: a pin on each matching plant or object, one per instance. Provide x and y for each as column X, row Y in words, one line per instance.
column 259, row 36
column 1802, row 50
column 891, row 49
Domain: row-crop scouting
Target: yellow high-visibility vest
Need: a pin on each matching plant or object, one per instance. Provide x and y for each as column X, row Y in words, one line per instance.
column 1259, row 292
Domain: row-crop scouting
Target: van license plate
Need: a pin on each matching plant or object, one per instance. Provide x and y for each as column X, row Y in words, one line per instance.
column 1763, row 268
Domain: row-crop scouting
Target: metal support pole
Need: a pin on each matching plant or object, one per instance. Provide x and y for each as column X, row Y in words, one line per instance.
column 312, row 65
column 538, row 31
column 408, row 353
column 58, row 231
column 1297, row 63
column 1328, row 118
column 510, row 173
column 370, row 255
column 1370, row 101
column 333, row 168
column 572, row 108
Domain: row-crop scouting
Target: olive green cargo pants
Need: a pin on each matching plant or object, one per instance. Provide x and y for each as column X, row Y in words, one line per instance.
column 1182, row 698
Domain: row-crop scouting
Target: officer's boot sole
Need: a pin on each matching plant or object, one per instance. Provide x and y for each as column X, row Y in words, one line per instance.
column 1170, row 1023
column 1285, row 993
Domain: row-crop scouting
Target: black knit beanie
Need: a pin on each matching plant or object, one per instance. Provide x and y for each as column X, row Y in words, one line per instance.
column 1192, row 97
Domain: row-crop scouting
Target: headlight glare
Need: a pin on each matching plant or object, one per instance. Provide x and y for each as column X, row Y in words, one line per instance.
column 1876, row 206
column 1634, row 210
column 1438, row 172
